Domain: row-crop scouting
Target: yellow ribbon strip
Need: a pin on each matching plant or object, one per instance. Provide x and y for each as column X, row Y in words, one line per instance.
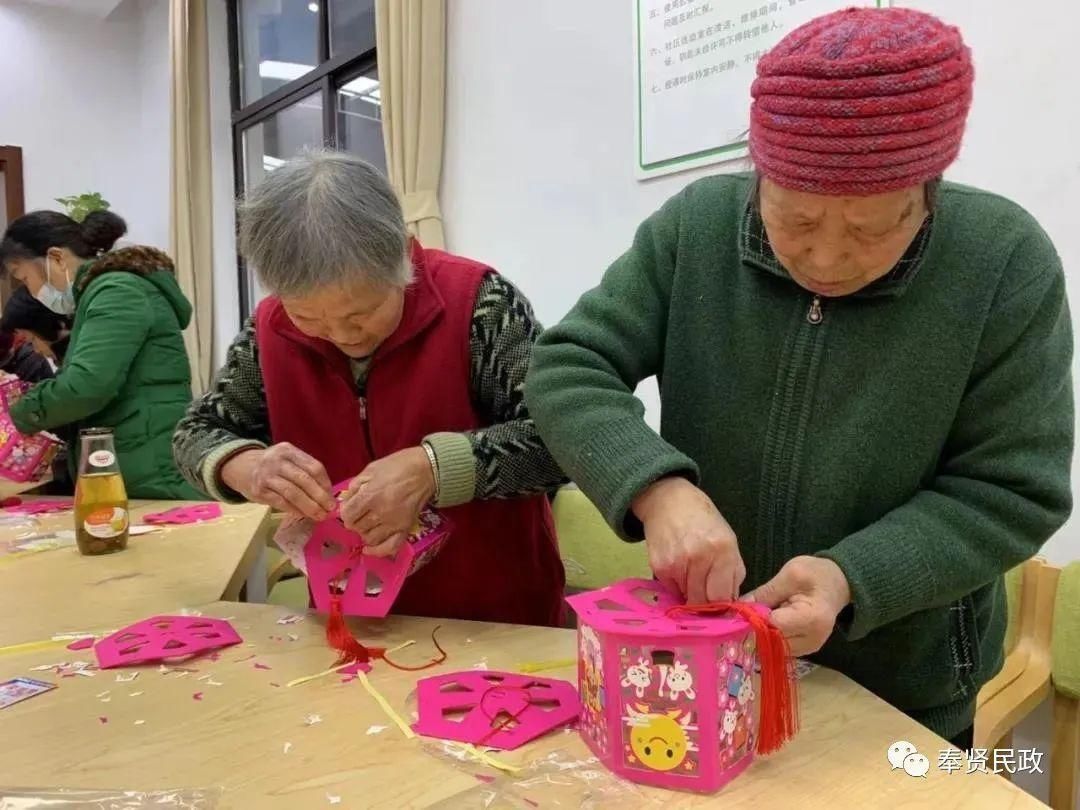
column 385, row 706
column 332, row 670
column 488, row 759
column 542, row 666
column 31, row 646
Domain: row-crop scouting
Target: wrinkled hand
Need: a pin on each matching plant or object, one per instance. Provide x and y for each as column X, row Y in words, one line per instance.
column 281, row 476
column 383, row 503
column 806, row 596
column 692, row 549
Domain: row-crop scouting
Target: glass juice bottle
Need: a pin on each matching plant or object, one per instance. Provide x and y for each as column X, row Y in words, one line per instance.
column 101, row 504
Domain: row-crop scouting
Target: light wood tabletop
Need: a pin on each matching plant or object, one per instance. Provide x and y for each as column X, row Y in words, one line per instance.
column 234, row 724
column 59, row 590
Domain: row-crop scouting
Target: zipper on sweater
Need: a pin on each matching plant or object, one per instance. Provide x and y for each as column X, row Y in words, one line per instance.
column 785, row 438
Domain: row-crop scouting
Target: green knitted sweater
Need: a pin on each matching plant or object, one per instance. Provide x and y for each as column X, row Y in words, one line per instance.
column 918, row 433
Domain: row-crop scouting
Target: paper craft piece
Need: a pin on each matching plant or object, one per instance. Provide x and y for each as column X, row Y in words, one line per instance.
column 22, row 458
column 164, row 638
column 670, row 696
column 185, row 514
column 366, row 585
column 82, row 643
column 20, row 689
column 43, row 506
column 501, row 710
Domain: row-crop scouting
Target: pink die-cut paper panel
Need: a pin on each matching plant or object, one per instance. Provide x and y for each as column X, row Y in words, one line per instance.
column 163, row 638
column 640, row 607
column 474, row 707
column 366, row 585
column 185, row 514
column 82, row 643
column 43, row 506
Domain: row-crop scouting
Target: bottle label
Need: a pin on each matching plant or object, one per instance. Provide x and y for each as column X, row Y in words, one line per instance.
column 102, row 458
column 107, row 522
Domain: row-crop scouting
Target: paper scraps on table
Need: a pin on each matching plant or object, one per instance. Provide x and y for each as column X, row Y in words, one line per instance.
column 260, row 665
column 291, row 618
column 197, row 696
column 126, row 678
column 19, row 689
column 103, row 720
column 139, row 722
column 293, row 637
column 503, row 710
column 42, row 506
column 485, row 778
column 209, row 680
column 312, row 719
column 135, row 694
column 481, row 664
column 376, row 730
column 333, row 799
column 163, row 638
column 286, row 748
column 137, row 529
column 181, row 515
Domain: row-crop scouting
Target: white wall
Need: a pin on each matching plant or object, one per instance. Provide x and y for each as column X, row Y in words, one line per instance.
column 538, row 171
column 73, row 99
column 87, row 99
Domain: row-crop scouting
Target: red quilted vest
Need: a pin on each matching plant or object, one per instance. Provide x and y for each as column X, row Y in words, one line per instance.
column 501, row 563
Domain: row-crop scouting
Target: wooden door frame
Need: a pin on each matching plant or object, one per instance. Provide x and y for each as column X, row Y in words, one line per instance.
column 12, row 169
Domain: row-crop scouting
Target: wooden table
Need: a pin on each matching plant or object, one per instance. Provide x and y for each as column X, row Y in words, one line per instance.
column 60, row 590
column 250, row 734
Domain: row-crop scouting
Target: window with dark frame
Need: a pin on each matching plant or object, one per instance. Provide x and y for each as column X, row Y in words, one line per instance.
column 303, row 74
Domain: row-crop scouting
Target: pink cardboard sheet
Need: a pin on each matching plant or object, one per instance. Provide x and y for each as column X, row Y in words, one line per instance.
column 42, row 506
column 180, row 515
column 501, row 710
column 164, row 638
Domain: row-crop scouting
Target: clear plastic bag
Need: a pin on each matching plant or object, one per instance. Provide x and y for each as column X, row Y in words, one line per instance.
column 75, row 799
column 557, row 779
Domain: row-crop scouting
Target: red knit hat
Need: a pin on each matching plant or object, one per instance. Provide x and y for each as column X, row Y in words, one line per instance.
column 861, row 102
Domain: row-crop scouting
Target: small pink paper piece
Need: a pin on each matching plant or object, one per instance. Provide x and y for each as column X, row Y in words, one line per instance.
column 164, row 638
column 185, row 514
column 367, row 585
column 353, row 669
column 502, row 710
column 258, row 665
column 103, row 720
column 82, row 643
column 197, row 696
column 43, row 506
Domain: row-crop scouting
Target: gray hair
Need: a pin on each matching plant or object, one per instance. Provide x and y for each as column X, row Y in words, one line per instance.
column 324, row 218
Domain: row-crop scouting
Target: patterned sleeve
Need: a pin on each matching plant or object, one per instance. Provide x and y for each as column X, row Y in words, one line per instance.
column 507, row 459
column 231, row 416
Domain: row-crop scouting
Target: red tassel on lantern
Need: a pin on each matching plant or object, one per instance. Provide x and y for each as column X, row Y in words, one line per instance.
column 351, row 651
column 779, row 692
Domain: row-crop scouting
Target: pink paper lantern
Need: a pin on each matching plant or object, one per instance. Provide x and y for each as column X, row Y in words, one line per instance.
column 501, row 710
column 164, row 638
column 366, row 585
column 669, row 701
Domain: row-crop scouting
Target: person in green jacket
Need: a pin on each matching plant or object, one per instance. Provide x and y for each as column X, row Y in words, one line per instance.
column 126, row 367
column 866, row 400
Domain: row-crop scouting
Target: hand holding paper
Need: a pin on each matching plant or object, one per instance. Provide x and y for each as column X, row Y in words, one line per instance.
column 383, row 503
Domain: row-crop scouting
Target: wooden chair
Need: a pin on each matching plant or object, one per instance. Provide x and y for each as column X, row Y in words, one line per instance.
column 1042, row 660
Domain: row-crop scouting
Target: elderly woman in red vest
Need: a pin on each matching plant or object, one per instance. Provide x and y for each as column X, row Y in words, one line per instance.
column 401, row 367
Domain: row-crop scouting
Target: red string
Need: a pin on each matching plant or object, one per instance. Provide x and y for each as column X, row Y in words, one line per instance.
column 779, row 691
column 510, row 718
column 352, row 651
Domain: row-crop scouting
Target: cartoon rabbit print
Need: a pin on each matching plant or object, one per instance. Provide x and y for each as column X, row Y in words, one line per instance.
column 638, row 676
column 679, row 680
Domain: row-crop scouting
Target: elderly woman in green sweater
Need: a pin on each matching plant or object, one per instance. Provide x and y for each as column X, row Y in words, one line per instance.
column 865, row 373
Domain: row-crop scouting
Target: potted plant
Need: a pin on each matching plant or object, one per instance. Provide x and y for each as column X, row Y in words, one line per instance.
column 78, row 206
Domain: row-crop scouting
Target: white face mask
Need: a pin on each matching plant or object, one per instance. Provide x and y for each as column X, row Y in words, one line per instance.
column 62, row 302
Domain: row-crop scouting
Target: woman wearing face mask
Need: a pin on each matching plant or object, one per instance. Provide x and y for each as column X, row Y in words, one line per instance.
column 126, row 366
column 399, row 367
column 864, row 372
